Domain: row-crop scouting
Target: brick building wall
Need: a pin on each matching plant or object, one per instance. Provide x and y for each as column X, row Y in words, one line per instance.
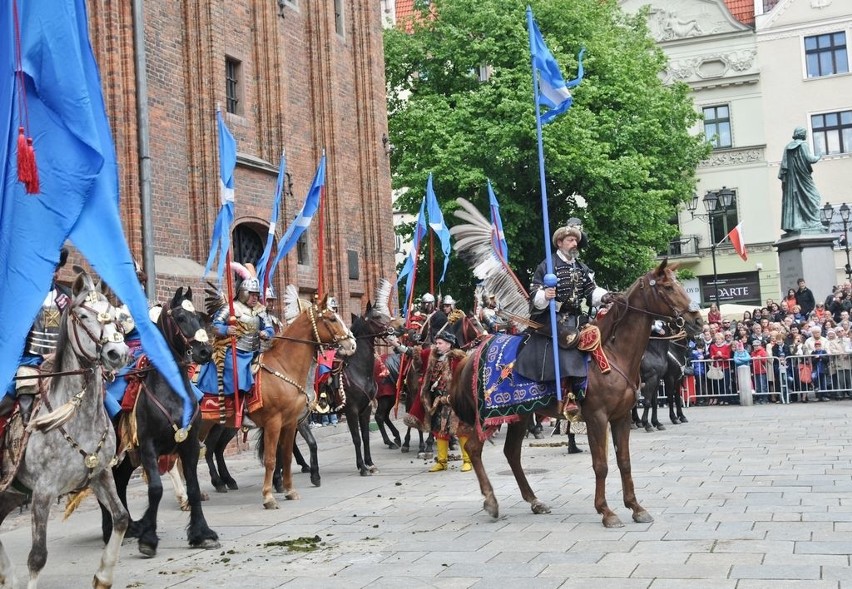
column 303, row 87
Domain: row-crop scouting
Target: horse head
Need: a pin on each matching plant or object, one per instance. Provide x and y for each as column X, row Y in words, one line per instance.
column 663, row 297
column 330, row 329
column 181, row 326
column 91, row 326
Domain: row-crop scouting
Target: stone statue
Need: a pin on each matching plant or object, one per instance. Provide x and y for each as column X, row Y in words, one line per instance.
column 800, row 199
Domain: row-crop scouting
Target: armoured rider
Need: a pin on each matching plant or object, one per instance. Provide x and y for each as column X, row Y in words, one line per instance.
column 41, row 341
column 252, row 326
column 575, row 285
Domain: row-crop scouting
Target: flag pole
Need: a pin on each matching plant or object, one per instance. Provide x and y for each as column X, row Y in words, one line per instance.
column 549, row 277
column 431, row 261
column 232, row 321
column 320, row 238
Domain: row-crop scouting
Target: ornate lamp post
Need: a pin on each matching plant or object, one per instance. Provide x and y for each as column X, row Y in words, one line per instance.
column 716, row 203
column 826, row 215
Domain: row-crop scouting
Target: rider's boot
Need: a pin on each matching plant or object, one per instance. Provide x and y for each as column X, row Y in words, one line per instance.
column 572, row 445
column 466, row 465
column 443, row 453
column 26, row 399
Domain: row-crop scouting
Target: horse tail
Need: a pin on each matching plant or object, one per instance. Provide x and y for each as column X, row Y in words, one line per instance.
column 259, row 447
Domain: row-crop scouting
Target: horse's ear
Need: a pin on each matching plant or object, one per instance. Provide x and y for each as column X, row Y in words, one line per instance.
column 354, row 318
column 323, row 304
column 188, row 294
column 82, row 283
column 369, row 307
column 177, row 298
column 661, row 269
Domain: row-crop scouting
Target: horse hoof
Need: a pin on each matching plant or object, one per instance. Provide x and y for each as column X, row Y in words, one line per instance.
column 96, row 584
column 490, row 506
column 365, row 472
column 316, row 481
column 147, row 550
column 292, row 495
column 270, row 503
column 208, row 544
column 642, row 517
column 404, row 449
column 538, row 507
column 392, row 445
column 661, row 427
column 232, row 485
column 649, row 428
column 306, row 468
column 612, row 521
column 185, row 506
column 684, row 420
column 221, row 489
column 421, row 455
column 373, row 469
column 205, row 496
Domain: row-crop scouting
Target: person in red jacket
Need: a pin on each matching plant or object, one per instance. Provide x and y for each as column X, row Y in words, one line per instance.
column 758, row 370
column 721, row 353
column 385, row 371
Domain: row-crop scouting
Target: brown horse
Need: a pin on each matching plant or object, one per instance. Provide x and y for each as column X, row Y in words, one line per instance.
column 625, row 330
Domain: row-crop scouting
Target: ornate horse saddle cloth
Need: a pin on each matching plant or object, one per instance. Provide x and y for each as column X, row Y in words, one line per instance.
column 501, row 393
column 13, row 443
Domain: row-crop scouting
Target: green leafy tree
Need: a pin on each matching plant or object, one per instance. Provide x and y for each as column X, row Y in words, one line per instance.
column 625, row 145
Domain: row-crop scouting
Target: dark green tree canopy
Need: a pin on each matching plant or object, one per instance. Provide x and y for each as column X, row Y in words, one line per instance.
column 625, row 145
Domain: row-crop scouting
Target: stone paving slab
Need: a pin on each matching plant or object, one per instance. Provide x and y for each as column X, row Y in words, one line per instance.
column 743, row 498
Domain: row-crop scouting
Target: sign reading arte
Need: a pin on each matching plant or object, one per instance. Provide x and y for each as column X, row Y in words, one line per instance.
column 742, row 287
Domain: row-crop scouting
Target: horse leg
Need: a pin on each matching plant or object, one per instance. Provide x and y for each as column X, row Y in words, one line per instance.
column 512, row 451
column 678, row 409
column 210, row 443
column 474, row 451
column 121, row 474
column 174, row 474
column 104, row 488
column 198, row 533
column 300, row 459
column 654, row 420
column 380, row 421
column 596, row 431
column 311, row 441
column 406, row 442
column 277, row 476
column 645, row 423
column 228, row 434
column 364, row 422
column 148, row 539
column 621, row 442
column 286, row 438
column 635, row 416
column 7, row 570
column 429, row 448
column 352, row 422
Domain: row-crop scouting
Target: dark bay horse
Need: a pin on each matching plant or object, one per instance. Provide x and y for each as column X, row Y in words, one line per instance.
column 72, row 443
column 625, row 329
column 359, row 382
column 665, row 360
column 158, row 412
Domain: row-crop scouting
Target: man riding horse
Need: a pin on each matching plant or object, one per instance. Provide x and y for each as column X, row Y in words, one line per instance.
column 575, row 285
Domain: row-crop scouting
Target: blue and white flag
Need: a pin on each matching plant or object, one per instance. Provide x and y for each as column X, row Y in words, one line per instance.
column 552, row 89
column 273, row 223
column 408, row 269
column 436, row 222
column 78, row 176
column 498, row 239
column 303, row 219
column 221, row 241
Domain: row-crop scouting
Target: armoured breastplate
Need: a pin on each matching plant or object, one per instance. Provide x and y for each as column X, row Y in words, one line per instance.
column 248, row 327
column 265, row 344
column 44, row 333
column 569, row 285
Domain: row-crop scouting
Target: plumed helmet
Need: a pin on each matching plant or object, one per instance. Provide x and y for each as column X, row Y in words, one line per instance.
column 428, row 298
column 332, row 304
column 448, row 300
column 251, row 284
column 270, row 293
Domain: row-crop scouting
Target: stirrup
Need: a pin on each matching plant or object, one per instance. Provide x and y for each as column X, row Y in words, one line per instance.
column 570, row 409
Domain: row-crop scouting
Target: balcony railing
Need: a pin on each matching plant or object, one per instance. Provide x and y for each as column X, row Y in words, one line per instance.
column 683, row 246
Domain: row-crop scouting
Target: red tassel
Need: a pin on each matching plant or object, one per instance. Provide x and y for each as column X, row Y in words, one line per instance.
column 33, row 185
column 24, row 165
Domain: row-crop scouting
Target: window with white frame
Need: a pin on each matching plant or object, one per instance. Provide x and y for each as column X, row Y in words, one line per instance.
column 832, row 132
column 717, row 125
column 826, row 55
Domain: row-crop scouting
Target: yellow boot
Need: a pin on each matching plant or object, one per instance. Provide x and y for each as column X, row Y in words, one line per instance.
column 443, row 447
column 466, row 465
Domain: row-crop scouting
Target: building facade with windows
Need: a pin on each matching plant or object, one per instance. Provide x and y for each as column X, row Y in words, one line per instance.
column 757, row 69
column 294, row 75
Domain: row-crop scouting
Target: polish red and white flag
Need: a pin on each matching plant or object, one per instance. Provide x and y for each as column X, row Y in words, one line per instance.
column 736, row 237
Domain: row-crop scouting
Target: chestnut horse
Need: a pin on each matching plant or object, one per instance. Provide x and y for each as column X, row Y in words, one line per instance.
column 625, row 329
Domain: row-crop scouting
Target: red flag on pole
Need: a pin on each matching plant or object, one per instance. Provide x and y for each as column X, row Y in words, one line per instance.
column 736, row 237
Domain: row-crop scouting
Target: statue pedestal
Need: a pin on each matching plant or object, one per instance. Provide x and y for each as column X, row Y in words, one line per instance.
column 809, row 256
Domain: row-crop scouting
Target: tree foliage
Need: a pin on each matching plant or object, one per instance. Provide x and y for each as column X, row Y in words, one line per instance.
column 625, row 145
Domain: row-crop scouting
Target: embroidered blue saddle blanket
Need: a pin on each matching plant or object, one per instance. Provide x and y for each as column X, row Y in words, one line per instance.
column 501, row 392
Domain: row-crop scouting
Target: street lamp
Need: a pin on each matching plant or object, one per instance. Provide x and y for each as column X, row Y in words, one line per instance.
column 716, row 203
column 826, row 214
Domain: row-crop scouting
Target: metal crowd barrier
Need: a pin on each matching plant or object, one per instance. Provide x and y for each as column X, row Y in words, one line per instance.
column 786, row 381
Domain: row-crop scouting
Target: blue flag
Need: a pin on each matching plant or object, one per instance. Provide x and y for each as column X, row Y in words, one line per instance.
column 78, row 177
column 408, row 269
column 552, row 89
column 221, row 241
column 436, row 222
column 498, row 239
column 273, row 223
column 303, row 219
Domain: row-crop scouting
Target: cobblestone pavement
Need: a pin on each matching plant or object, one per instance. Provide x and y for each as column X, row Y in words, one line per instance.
column 744, row 497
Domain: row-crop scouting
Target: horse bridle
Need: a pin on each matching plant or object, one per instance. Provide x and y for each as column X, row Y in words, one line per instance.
column 199, row 336
column 99, row 340
column 676, row 322
column 336, row 339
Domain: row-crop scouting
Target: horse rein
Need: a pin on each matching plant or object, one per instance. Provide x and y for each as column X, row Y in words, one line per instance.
column 177, row 331
column 99, row 340
column 676, row 322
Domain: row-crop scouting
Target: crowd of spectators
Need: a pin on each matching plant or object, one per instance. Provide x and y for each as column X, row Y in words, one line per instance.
column 799, row 341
